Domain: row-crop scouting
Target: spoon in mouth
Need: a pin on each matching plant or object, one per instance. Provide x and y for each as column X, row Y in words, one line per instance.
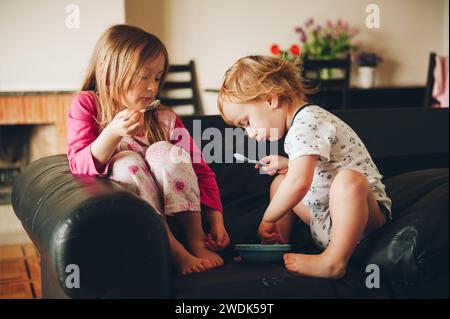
column 152, row 105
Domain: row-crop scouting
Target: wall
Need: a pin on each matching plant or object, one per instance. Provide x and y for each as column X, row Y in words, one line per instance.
column 39, row 53
column 446, row 28
column 215, row 32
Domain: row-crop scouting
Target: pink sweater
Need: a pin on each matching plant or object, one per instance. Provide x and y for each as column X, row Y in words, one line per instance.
column 82, row 130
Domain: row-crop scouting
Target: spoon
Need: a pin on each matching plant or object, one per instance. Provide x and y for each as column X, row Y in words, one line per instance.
column 152, row 105
column 242, row 158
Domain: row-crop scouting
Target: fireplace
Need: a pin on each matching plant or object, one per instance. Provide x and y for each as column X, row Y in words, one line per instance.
column 32, row 126
column 14, row 154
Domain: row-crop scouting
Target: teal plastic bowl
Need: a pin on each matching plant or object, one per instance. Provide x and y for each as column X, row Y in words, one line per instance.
column 261, row 253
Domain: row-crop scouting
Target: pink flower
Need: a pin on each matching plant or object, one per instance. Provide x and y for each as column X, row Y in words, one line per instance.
column 354, row 31
column 133, row 146
column 309, row 22
column 302, row 34
column 133, row 169
column 179, row 185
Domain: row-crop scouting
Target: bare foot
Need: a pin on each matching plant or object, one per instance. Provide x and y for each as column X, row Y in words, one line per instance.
column 313, row 266
column 199, row 249
column 187, row 263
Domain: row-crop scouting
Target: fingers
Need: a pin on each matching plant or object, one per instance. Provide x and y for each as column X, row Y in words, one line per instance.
column 270, row 241
column 221, row 241
column 272, row 166
column 265, row 159
column 132, row 118
column 210, row 243
column 131, row 129
column 271, row 238
column 129, row 125
column 270, row 170
column 125, row 114
column 269, row 235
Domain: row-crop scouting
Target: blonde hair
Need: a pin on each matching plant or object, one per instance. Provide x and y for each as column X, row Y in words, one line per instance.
column 119, row 55
column 256, row 77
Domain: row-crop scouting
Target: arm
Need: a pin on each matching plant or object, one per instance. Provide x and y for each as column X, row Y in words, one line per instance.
column 293, row 188
column 82, row 131
column 89, row 152
column 103, row 147
column 125, row 123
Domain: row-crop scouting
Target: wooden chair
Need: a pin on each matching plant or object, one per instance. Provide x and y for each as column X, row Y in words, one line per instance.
column 174, row 90
column 429, row 100
column 312, row 69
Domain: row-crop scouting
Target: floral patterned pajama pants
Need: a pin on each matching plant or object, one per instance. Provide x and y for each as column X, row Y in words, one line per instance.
column 160, row 174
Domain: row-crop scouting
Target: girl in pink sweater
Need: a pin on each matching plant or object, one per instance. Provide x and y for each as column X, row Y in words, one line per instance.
column 150, row 153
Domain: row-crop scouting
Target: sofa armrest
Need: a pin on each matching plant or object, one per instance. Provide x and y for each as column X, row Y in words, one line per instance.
column 116, row 239
column 412, row 250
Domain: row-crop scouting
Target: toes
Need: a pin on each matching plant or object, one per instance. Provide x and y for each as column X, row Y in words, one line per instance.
column 218, row 262
column 288, row 256
column 197, row 268
column 206, row 263
column 186, row 271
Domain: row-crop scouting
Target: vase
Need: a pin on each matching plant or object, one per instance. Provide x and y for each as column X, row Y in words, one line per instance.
column 326, row 74
column 366, row 76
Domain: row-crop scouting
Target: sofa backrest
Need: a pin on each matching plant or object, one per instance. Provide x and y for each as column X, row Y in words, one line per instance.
column 399, row 140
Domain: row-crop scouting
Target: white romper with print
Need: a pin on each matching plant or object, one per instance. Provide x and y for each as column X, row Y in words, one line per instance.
column 315, row 131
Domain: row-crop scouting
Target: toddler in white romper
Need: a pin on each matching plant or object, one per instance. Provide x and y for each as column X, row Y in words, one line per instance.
column 315, row 131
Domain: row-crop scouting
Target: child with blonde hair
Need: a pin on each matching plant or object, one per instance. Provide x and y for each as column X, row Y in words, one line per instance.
column 329, row 180
column 148, row 152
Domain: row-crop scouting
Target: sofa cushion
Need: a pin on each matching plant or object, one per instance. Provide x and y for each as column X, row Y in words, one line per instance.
column 411, row 251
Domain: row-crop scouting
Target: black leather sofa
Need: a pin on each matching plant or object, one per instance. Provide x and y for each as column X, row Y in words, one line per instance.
column 121, row 248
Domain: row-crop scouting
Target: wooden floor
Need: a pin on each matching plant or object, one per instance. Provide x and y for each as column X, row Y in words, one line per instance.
column 20, row 273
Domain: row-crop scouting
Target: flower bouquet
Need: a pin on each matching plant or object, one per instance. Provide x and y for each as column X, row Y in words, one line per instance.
column 331, row 41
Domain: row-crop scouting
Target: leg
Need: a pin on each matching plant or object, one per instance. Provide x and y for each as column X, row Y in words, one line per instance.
column 129, row 169
column 186, row 263
column 192, row 224
column 354, row 211
column 174, row 174
column 285, row 223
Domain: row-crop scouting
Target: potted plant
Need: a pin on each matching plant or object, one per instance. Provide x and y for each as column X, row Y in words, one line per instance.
column 333, row 40
column 367, row 63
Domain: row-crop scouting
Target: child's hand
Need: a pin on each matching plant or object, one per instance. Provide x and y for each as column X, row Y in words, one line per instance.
column 268, row 232
column 126, row 123
column 217, row 238
column 277, row 164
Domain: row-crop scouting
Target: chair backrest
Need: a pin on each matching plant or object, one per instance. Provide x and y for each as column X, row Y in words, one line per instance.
column 429, row 100
column 313, row 70
column 174, row 90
